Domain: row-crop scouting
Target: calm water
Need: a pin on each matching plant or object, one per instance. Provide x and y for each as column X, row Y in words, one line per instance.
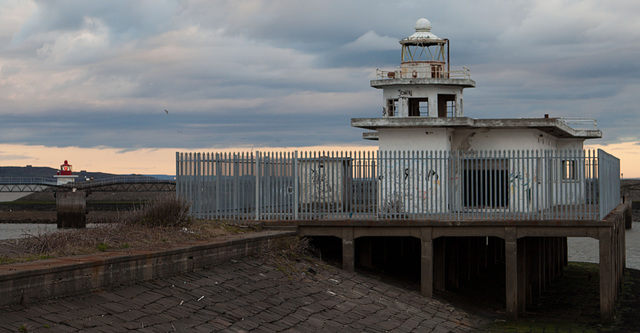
column 580, row 249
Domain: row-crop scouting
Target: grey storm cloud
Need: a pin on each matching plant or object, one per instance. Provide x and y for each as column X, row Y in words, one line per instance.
column 292, row 73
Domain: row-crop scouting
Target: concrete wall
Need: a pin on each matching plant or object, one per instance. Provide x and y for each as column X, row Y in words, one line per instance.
column 414, row 139
column 33, row 281
column 472, row 139
column 404, row 92
column 409, row 185
column 323, row 181
column 490, row 139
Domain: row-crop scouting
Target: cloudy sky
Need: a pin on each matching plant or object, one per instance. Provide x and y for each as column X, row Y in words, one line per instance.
column 97, row 76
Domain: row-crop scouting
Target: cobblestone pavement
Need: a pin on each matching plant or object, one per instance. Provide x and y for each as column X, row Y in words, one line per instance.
column 248, row 295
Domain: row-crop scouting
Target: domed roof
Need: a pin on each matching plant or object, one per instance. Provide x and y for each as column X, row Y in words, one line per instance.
column 423, row 25
column 423, row 34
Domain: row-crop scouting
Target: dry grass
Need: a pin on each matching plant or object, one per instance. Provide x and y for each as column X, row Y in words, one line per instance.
column 163, row 223
column 166, row 211
column 295, row 258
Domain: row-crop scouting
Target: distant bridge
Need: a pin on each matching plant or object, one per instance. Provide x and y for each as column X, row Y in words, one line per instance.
column 113, row 184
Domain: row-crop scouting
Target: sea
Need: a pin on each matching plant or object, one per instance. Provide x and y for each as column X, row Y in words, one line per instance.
column 581, row 249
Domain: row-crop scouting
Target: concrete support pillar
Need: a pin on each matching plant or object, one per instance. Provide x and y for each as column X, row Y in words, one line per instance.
column 511, row 272
column 404, row 107
column 607, row 287
column 348, row 250
column 71, row 209
column 426, row 261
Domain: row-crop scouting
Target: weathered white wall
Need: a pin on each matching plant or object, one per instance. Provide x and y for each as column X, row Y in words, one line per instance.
column 413, row 182
column 403, row 93
column 502, row 139
column 414, row 139
column 571, row 144
column 322, row 182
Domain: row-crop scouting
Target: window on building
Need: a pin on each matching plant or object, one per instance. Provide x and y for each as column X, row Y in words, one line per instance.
column 424, row 108
column 569, row 170
column 418, row 107
column 392, row 108
column 485, row 183
column 446, row 105
column 451, row 108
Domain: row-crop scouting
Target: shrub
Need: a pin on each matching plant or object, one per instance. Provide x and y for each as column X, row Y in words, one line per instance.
column 166, row 211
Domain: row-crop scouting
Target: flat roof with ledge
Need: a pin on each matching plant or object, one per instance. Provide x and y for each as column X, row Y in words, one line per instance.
column 553, row 126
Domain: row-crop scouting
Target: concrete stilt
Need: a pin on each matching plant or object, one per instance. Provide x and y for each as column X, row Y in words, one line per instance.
column 348, row 250
column 426, row 262
column 71, row 209
column 606, row 277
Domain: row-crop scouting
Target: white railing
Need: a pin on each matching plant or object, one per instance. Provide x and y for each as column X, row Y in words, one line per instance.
column 417, row 73
column 390, row 185
column 580, row 123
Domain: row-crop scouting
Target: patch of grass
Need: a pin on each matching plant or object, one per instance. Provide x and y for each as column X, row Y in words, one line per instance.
column 103, row 247
column 6, row 260
column 238, row 228
column 572, row 304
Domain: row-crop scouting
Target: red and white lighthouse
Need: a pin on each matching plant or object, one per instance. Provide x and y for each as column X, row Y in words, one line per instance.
column 65, row 174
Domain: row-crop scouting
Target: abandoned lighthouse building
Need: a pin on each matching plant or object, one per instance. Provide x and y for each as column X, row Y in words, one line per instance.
column 457, row 197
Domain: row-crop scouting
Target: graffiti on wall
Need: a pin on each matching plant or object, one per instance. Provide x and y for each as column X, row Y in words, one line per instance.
column 406, row 187
column 321, row 188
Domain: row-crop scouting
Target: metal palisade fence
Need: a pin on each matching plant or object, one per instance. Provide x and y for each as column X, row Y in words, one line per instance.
column 390, row 185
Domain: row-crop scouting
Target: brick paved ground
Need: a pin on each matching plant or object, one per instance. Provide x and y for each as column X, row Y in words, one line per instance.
column 249, row 295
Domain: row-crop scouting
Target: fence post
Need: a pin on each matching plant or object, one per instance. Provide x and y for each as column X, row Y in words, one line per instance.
column 601, row 194
column 258, row 204
column 296, row 199
column 178, row 175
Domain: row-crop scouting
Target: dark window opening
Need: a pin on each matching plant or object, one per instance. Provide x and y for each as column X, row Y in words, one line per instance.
column 485, row 183
column 418, row 107
column 446, row 105
column 392, row 108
